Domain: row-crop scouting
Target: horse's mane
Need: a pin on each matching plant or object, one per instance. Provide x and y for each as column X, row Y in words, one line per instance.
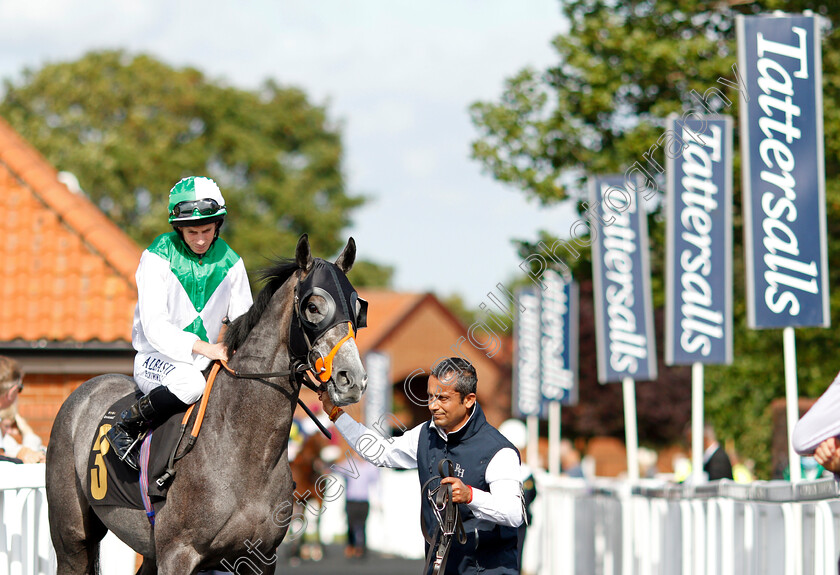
column 275, row 276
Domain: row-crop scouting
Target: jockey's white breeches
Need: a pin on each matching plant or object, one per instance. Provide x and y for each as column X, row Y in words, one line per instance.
column 183, row 379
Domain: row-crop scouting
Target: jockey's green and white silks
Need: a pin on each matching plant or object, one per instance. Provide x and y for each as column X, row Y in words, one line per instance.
column 183, row 297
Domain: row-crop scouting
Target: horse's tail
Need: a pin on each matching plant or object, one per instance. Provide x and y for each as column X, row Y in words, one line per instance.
column 97, row 533
column 75, row 529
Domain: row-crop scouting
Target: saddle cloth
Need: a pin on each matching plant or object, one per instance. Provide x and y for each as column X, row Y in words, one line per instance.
column 111, row 481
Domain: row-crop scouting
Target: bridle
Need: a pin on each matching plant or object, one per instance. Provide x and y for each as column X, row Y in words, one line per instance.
column 311, row 363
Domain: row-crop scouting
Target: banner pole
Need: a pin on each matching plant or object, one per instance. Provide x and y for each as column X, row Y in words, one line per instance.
column 533, row 455
column 792, row 400
column 630, row 432
column 554, row 437
column 697, row 422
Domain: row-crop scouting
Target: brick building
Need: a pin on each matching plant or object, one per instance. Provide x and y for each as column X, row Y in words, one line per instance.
column 416, row 330
column 67, row 291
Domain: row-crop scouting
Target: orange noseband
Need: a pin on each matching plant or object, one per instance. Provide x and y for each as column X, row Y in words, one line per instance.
column 323, row 365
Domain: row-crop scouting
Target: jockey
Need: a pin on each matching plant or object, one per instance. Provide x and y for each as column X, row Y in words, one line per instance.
column 189, row 282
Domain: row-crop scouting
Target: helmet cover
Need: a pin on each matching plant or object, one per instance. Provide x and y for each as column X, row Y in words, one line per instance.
column 195, row 201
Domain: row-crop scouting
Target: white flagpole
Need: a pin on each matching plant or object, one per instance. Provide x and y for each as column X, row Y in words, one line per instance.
column 533, row 454
column 554, row 437
column 697, row 422
column 792, row 400
column 630, row 432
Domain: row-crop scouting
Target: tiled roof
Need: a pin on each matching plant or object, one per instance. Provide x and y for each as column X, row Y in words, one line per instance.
column 386, row 309
column 68, row 271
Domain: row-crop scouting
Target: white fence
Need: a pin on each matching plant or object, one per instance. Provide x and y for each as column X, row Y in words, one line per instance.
column 720, row 528
column 25, row 546
column 603, row 527
column 26, row 549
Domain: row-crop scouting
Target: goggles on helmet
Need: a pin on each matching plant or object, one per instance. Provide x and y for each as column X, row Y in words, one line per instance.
column 205, row 207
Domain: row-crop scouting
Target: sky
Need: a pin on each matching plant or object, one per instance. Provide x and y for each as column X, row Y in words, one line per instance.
column 397, row 76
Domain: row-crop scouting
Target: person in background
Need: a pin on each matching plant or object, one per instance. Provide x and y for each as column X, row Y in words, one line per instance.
column 647, row 462
column 716, row 461
column 28, row 448
column 362, row 477
column 570, row 460
column 11, row 381
column 18, row 439
column 742, row 470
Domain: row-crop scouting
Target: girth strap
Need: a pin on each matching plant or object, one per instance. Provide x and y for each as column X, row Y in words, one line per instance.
column 448, row 515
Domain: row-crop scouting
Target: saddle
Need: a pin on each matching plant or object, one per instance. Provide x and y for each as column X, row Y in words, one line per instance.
column 448, row 515
column 111, row 482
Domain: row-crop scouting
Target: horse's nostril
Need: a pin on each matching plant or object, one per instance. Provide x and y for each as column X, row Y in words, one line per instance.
column 343, row 379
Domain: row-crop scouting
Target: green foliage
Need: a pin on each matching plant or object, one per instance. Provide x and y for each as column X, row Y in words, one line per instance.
column 129, row 127
column 622, row 68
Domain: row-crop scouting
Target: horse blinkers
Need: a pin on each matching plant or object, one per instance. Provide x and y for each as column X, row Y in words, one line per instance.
column 341, row 304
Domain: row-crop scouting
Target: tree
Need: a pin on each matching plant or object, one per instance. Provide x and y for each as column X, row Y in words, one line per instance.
column 129, row 127
column 623, row 66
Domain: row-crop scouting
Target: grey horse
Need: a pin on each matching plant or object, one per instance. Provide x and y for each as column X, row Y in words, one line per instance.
column 232, row 497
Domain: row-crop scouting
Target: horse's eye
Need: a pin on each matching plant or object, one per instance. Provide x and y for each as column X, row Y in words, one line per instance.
column 312, row 308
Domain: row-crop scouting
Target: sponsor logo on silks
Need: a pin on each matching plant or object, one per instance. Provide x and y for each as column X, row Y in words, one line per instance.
column 157, row 369
column 459, row 471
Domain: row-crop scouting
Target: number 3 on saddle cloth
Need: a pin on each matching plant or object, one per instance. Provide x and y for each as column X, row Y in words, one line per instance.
column 112, row 482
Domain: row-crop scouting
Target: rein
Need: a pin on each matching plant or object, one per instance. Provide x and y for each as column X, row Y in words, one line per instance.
column 448, row 515
column 299, row 371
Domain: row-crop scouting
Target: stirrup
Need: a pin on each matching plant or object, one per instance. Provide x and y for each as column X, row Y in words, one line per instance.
column 125, row 456
column 131, row 447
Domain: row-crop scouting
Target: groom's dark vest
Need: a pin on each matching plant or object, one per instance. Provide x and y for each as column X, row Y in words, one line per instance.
column 490, row 547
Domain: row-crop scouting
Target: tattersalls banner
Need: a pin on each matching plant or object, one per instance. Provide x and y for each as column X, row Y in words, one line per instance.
column 698, row 289
column 783, row 171
column 545, row 346
column 527, row 399
column 621, row 282
column 558, row 339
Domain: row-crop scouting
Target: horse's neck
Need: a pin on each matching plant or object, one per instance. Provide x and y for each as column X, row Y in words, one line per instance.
column 256, row 412
column 266, row 348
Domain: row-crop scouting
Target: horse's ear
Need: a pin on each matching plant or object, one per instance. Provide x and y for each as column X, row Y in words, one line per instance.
column 347, row 257
column 303, row 254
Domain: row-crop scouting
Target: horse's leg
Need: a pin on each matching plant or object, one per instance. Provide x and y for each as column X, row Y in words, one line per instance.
column 75, row 529
column 177, row 559
column 183, row 560
column 77, row 544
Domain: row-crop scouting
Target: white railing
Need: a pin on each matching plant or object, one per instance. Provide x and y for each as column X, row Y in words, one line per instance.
column 25, row 546
column 604, row 527
column 651, row 528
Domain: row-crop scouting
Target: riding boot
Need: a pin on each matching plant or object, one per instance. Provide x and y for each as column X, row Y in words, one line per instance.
column 150, row 410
